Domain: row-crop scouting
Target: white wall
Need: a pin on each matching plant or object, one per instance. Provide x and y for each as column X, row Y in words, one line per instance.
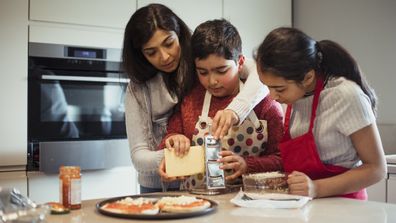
column 367, row 29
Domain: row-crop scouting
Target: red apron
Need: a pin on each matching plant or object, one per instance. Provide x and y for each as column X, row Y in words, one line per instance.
column 300, row 153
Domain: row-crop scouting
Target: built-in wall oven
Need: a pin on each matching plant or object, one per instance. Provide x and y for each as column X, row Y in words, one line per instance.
column 75, row 108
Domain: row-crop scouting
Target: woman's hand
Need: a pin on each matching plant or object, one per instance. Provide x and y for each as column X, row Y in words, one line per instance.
column 180, row 143
column 222, row 122
column 234, row 162
column 164, row 176
column 301, row 184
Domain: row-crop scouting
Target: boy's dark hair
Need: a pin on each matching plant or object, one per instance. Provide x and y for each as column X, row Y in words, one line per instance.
column 218, row 37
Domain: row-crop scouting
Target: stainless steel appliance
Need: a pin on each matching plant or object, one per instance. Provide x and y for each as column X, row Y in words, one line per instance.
column 75, row 108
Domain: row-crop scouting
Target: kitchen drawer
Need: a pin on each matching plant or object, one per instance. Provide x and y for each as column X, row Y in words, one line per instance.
column 119, row 181
column 377, row 192
column 14, row 179
column 391, row 192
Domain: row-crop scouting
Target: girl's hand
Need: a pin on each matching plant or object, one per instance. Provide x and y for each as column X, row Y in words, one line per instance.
column 222, row 122
column 164, row 176
column 234, row 162
column 301, row 184
column 180, row 143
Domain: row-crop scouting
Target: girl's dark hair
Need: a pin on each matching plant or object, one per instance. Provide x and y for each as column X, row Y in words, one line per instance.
column 218, row 37
column 290, row 53
column 140, row 28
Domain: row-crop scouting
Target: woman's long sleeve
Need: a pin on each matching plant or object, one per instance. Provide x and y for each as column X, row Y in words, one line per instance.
column 146, row 160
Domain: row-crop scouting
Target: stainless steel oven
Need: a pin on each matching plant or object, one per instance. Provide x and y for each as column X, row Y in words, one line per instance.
column 75, row 107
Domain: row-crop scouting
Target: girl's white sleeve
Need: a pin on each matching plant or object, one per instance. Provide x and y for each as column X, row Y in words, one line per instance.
column 252, row 92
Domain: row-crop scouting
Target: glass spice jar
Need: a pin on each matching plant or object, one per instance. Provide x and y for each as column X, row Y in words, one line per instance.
column 70, row 186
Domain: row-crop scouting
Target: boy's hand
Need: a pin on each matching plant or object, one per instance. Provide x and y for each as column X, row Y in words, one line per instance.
column 301, row 184
column 180, row 143
column 234, row 162
column 222, row 122
column 164, row 176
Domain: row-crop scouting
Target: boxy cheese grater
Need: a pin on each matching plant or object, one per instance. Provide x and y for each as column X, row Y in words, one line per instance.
column 214, row 175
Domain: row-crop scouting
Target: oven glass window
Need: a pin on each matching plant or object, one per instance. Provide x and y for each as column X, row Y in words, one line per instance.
column 70, row 110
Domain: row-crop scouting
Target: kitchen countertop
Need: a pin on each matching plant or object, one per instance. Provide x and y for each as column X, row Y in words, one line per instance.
column 318, row 210
column 391, row 162
column 392, row 168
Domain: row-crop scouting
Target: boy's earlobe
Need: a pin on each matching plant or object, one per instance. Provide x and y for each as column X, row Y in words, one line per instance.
column 241, row 61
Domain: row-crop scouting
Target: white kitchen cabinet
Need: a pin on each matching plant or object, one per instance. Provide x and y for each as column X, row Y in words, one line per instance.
column 91, row 23
column 13, row 84
column 254, row 19
column 103, row 13
column 119, row 181
column 14, row 179
column 192, row 12
column 377, row 192
column 73, row 35
column 391, row 192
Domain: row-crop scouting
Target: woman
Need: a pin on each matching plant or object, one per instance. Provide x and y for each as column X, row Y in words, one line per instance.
column 331, row 144
column 157, row 58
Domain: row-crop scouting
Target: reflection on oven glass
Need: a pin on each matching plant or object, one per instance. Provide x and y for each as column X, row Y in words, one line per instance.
column 54, row 108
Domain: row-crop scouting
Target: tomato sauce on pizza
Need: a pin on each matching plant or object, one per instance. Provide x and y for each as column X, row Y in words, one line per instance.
column 132, row 206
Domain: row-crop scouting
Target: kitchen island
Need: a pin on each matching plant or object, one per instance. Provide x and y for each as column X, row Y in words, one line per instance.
column 318, row 210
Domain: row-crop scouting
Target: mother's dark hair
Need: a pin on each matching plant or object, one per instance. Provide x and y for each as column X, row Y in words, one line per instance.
column 140, row 28
column 290, row 53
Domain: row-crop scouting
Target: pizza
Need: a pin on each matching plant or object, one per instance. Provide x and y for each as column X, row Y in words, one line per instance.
column 129, row 205
column 182, row 204
column 141, row 205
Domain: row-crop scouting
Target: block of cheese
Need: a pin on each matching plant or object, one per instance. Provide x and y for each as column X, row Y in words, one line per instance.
column 192, row 163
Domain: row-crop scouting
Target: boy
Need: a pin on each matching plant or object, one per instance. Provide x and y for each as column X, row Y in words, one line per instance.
column 216, row 49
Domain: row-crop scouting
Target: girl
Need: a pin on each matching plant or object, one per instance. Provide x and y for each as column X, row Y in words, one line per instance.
column 331, row 144
column 157, row 58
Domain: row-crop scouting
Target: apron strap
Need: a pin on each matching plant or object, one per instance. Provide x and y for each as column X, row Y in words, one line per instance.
column 315, row 103
column 253, row 117
column 206, row 106
column 287, row 118
column 318, row 88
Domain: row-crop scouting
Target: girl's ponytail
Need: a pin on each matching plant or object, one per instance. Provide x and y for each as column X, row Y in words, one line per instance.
column 336, row 62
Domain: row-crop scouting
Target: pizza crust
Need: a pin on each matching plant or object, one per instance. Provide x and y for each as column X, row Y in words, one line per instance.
column 185, row 209
column 182, row 204
column 153, row 211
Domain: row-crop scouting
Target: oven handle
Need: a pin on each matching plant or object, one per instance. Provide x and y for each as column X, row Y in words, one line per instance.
column 84, row 78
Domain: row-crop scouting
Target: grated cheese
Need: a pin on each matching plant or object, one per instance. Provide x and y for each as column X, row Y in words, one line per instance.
column 181, row 200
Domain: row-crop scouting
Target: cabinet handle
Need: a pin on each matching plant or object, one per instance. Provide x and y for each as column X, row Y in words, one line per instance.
column 84, row 78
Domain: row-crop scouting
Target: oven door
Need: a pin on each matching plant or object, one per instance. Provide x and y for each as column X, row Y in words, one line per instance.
column 76, row 105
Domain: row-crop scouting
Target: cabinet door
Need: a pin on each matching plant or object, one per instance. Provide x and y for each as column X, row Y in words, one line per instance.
column 254, row 19
column 119, row 181
column 377, row 192
column 192, row 12
column 14, row 179
column 391, row 192
column 13, row 84
column 67, row 34
column 102, row 13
